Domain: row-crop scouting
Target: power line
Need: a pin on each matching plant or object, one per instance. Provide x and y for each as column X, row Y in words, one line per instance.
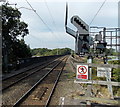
column 49, row 12
column 51, row 17
column 97, row 12
column 39, row 16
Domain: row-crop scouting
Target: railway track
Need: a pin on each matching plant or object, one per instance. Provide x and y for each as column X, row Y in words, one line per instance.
column 14, row 79
column 40, row 94
column 15, row 92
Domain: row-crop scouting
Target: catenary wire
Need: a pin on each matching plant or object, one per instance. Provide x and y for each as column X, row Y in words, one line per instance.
column 97, row 12
column 39, row 16
column 58, row 35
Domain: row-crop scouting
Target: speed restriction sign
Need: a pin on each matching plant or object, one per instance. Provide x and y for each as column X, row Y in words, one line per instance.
column 82, row 72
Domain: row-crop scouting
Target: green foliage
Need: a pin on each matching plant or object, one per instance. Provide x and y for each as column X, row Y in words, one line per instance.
column 116, row 74
column 116, row 90
column 22, row 50
column 47, row 52
column 40, row 51
column 97, row 61
column 12, row 28
column 116, row 53
column 114, row 62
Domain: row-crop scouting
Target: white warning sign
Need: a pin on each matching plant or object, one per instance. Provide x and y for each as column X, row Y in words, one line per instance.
column 103, row 71
column 82, row 72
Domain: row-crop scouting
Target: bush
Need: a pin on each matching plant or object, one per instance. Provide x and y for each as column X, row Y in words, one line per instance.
column 114, row 62
column 116, row 74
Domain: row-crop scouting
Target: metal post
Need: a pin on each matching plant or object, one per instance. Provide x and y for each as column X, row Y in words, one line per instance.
column 105, row 59
column 116, row 39
column 89, row 87
column 111, row 40
column 89, row 61
column 104, row 34
column 119, row 43
column 76, row 44
column 109, row 83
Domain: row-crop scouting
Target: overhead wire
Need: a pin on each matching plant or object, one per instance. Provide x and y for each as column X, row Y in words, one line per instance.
column 39, row 16
column 52, row 17
column 97, row 12
column 49, row 12
column 33, row 37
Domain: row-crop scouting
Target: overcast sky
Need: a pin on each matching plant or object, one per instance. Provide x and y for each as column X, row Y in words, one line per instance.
column 53, row 14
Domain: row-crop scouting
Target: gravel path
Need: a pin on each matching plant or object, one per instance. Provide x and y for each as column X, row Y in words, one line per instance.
column 66, row 87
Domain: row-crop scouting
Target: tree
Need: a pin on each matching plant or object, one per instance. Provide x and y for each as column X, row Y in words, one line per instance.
column 116, row 74
column 12, row 28
column 48, row 52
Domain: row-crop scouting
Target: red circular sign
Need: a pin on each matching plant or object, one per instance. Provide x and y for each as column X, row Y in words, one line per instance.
column 82, row 69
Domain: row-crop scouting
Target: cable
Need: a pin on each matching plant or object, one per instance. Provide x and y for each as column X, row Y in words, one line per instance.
column 39, row 16
column 26, row 8
column 49, row 12
column 97, row 12
column 52, row 18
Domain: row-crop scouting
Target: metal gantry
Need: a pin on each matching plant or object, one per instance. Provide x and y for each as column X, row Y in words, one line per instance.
column 92, row 38
column 109, row 35
column 81, row 35
column 93, row 42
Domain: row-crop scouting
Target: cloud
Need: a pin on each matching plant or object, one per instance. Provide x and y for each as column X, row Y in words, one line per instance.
column 45, row 39
column 40, row 36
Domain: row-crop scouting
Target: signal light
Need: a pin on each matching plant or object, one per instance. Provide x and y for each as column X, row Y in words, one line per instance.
column 85, row 44
column 85, row 47
column 80, row 24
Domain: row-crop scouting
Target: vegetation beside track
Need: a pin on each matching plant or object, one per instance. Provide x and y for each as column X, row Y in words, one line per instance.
column 48, row 52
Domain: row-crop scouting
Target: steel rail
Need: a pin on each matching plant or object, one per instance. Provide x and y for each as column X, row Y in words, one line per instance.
column 35, row 85
column 26, row 70
column 53, row 89
column 3, row 89
column 21, row 72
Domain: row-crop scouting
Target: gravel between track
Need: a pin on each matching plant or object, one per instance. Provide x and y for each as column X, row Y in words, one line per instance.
column 10, row 96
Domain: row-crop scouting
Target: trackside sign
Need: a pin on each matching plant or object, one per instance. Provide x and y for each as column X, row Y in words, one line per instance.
column 103, row 72
column 82, row 72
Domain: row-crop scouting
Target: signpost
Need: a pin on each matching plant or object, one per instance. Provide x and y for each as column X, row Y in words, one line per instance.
column 82, row 72
column 101, row 72
column 108, row 78
column 106, row 72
